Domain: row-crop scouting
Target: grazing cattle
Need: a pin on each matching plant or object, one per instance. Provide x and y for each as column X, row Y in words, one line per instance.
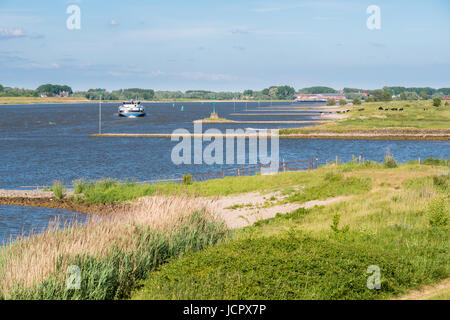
column 380, row 108
column 394, row 109
column 401, row 109
column 362, row 109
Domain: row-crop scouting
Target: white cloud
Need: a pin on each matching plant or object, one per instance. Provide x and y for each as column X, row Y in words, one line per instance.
column 170, row 34
column 11, row 33
column 205, row 76
column 113, row 23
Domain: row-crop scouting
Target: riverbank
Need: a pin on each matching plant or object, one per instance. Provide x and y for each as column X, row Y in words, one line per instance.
column 395, row 118
column 368, row 134
column 72, row 100
column 395, row 220
column 338, row 219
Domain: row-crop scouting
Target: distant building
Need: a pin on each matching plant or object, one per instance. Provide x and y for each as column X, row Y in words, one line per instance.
column 446, row 98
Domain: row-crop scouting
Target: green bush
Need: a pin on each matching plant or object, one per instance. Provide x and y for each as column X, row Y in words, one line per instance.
column 331, row 102
column 79, row 186
column 335, row 225
column 342, row 102
column 436, row 102
column 187, row 179
column 438, row 212
column 356, row 101
column 436, row 162
column 58, row 189
column 389, row 161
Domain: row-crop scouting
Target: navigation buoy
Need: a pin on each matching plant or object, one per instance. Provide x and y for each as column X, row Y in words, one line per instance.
column 182, row 108
column 173, row 105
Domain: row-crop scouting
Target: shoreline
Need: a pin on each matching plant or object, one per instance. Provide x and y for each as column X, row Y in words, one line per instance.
column 363, row 135
column 64, row 204
column 17, row 101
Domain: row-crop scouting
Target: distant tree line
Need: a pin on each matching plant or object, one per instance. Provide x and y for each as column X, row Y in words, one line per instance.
column 284, row 92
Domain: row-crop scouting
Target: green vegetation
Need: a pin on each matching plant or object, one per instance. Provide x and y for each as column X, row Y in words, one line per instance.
column 436, row 102
column 58, row 189
column 342, row 102
column 271, row 93
column 79, row 186
column 317, row 90
column 331, row 102
column 53, row 89
column 333, row 184
column 406, row 117
column 187, row 179
column 109, row 269
column 389, row 161
column 325, row 252
column 356, row 101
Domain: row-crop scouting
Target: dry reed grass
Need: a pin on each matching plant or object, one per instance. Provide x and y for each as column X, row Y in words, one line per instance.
column 30, row 260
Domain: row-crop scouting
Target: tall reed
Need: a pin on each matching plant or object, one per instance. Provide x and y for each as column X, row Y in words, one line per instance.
column 112, row 252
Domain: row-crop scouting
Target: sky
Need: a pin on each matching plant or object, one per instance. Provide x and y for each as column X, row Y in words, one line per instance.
column 228, row 45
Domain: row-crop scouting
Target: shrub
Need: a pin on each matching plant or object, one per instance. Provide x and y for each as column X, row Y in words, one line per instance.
column 436, row 102
column 389, row 160
column 342, row 102
column 58, row 189
column 356, row 101
column 438, row 213
column 187, row 179
column 331, row 102
column 79, row 186
column 335, row 225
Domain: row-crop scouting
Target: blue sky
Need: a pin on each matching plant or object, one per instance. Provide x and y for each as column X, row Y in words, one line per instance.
column 224, row 45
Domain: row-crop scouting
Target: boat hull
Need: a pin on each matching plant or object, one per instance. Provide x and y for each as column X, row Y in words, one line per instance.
column 131, row 114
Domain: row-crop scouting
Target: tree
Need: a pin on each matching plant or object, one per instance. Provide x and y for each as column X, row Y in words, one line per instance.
column 356, row 101
column 285, row 92
column 273, row 92
column 423, row 95
column 53, row 89
column 316, row 90
column 387, row 96
column 1, row 88
column 402, row 96
column 331, row 102
column 342, row 102
column 248, row 93
column 436, row 102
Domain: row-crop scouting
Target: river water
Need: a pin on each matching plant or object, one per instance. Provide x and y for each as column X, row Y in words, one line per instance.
column 43, row 143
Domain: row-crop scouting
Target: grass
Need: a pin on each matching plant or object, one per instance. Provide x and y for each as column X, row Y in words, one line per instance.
column 30, row 100
column 58, row 189
column 113, row 191
column 416, row 116
column 324, row 252
column 111, row 253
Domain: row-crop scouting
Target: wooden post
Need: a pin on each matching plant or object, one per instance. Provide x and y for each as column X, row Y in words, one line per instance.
column 336, row 160
column 317, row 162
